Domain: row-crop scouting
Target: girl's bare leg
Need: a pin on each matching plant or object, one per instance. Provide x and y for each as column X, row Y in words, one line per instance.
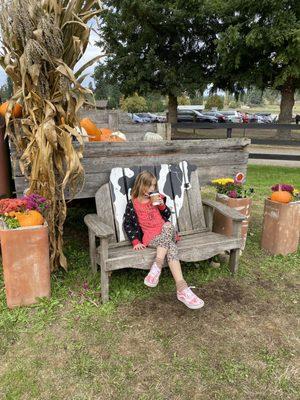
column 176, row 270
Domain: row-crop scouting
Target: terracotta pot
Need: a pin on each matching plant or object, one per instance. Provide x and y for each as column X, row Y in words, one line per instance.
column 281, row 227
column 25, row 258
column 223, row 225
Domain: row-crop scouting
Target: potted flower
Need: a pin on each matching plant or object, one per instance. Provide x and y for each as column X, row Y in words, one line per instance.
column 231, row 191
column 25, row 249
column 281, row 222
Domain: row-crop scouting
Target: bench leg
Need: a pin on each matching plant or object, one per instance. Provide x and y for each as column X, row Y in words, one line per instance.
column 234, row 260
column 104, row 285
column 92, row 243
column 104, row 273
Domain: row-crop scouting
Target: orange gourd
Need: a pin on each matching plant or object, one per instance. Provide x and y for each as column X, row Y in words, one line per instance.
column 16, row 112
column 91, row 129
column 281, row 196
column 30, row 218
column 105, row 134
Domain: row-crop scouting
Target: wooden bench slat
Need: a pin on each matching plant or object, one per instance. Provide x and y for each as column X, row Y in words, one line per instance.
column 199, row 247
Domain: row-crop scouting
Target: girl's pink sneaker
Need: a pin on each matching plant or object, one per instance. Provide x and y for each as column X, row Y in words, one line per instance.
column 188, row 297
column 152, row 278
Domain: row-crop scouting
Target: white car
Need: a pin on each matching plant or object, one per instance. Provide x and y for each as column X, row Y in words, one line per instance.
column 232, row 116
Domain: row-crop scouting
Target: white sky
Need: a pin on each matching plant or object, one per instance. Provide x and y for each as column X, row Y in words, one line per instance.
column 91, row 52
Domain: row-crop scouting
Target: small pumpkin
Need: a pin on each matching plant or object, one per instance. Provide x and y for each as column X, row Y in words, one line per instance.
column 16, row 112
column 30, row 218
column 91, row 129
column 281, row 196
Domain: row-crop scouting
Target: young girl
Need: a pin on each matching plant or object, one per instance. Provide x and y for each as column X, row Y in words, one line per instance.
column 147, row 225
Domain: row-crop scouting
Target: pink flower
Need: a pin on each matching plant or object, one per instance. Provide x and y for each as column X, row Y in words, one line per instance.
column 239, row 178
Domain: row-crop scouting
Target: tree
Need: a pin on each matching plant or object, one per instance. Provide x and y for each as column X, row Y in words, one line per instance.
column 159, row 45
column 259, row 45
column 254, row 96
column 214, row 101
column 134, row 104
column 106, row 87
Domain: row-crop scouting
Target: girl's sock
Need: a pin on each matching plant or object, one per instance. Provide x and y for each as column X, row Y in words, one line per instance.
column 180, row 285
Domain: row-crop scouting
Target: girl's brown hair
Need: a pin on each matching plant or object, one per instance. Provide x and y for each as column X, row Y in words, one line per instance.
column 142, row 182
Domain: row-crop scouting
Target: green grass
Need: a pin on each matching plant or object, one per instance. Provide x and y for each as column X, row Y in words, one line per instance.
column 143, row 344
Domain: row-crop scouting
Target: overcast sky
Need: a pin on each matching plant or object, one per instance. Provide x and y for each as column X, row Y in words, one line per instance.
column 91, row 52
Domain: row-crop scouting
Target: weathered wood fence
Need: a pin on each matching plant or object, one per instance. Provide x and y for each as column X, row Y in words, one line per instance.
column 214, row 158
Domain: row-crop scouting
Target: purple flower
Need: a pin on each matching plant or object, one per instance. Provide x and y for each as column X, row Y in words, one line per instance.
column 233, row 194
column 282, row 186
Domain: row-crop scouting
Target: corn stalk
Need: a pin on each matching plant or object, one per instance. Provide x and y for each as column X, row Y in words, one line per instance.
column 42, row 40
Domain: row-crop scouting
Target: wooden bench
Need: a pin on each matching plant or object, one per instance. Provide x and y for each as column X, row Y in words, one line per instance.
column 191, row 216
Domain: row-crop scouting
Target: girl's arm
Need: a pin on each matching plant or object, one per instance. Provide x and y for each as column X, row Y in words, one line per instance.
column 130, row 225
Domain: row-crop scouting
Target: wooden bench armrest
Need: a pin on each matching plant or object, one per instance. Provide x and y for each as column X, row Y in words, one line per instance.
column 224, row 210
column 100, row 229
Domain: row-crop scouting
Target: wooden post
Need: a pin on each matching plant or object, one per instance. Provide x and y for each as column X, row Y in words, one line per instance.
column 113, row 121
column 164, row 130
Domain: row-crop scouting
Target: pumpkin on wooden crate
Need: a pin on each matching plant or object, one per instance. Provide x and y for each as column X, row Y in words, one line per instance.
column 16, row 112
column 92, row 130
column 280, row 232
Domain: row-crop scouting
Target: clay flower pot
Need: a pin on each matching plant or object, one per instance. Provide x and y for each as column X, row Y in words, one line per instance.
column 281, row 227
column 223, row 225
column 25, row 258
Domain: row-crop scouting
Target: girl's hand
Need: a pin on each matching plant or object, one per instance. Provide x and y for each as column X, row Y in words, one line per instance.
column 139, row 246
column 161, row 201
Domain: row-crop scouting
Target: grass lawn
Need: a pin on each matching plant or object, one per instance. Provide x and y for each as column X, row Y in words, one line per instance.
column 144, row 344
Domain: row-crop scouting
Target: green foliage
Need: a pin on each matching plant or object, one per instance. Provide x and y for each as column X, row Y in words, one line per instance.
column 214, row 101
column 254, row 96
column 183, row 100
column 106, row 87
column 197, row 100
column 155, row 103
column 134, row 104
column 259, row 45
column 154, row 44
column 6, row 90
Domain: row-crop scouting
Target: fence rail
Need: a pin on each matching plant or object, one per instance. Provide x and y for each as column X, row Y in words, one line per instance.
column 230, row 126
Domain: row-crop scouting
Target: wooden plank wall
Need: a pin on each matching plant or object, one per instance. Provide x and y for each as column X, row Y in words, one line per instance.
column 214, row 159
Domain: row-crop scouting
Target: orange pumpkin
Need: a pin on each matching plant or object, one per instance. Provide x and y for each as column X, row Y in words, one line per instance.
column 105, row 134
column 16, row 112
column 91, row 129
column 30, row 218
column 115, row 139
column 281, row 196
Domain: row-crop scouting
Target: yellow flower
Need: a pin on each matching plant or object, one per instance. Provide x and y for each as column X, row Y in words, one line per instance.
column 296, row 192
column 222, row 181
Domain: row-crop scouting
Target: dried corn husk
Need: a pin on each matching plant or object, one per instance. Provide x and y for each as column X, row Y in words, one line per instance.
column 42, row 40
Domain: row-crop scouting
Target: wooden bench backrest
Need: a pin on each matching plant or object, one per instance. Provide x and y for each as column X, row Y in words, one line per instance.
column 178, row 182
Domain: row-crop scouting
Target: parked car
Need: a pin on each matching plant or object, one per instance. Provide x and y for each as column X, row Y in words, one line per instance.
column 244, row 117
column 232, row 116
column 155, row 117
column 252, row 118
column 139, row 119
column 267, row 117
column 194, row 116
column 145, row 117
column 220, row 117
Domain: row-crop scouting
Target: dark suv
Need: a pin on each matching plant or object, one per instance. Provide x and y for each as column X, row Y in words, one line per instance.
column 194, row 116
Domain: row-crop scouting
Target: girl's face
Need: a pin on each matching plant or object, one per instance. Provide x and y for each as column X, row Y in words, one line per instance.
column 151, row 188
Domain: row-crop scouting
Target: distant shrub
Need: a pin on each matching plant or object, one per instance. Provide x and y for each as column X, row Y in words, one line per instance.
column 214, row 101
